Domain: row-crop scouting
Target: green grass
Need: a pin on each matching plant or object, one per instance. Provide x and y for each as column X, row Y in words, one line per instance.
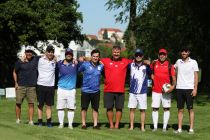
column 10, row 130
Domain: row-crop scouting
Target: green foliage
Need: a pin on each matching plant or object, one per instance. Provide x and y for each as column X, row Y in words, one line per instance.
column 105, row 51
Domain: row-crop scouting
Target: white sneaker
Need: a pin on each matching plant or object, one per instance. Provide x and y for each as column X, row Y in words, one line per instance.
column 178, row 131
column 164, row 130
column 60, row 126
column 154, row 130
column 191, row 131
column 31, row 123
column 18, row 121
column 70, row 127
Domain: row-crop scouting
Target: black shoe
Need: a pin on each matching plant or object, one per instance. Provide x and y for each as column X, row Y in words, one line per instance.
column 96, row 127
column 84, row 127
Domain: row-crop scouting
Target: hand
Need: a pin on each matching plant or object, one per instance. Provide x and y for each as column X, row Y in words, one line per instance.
column 194, row 92
column 55, row 58
column 75, row 61
column 16, row 85
column 81, row 59
column 147, row 62
column 171, row 89
column 23, row 58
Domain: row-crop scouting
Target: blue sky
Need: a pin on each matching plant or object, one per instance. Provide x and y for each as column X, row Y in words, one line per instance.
column 95, row 16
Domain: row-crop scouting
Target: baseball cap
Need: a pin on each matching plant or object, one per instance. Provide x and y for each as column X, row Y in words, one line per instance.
column 163, row 51
column 50, row 48
column 29, row 48
column 138, row 52
column 69, row 51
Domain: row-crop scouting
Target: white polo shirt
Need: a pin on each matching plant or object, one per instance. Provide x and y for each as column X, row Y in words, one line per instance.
column 185, row 73
column 46, row 71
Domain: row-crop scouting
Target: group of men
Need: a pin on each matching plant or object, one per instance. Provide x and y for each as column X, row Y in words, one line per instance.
column 183, row 76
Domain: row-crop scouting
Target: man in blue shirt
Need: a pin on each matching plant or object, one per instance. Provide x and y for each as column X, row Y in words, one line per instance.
column 91, row 87
column 67, row 71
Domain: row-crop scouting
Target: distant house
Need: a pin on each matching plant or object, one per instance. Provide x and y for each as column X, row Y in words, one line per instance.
column 91, row 37
column 109, row 33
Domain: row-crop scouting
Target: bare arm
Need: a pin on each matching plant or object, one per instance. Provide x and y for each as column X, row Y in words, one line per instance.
column 15, row 78
column 194, row 92
column 173, row 84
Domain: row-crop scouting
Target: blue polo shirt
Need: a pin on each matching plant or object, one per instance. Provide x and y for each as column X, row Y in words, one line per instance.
column 67, row 75
column 91, row 77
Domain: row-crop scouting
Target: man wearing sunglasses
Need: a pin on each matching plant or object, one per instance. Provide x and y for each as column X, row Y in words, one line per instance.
column 25, row 77
column 139, row 73
column 162, row 72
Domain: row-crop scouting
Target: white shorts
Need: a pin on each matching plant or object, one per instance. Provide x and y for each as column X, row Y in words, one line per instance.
column 139, row 100
column 66, row 99
column 159, row 97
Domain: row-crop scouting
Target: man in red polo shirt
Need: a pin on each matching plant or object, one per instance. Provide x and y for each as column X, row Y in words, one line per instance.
column 162, row 71
column 115, row 73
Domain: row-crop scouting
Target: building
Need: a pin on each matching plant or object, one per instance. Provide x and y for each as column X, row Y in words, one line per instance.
column 110, row 33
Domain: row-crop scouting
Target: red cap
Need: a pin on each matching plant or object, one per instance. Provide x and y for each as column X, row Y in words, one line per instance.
column 163, row 51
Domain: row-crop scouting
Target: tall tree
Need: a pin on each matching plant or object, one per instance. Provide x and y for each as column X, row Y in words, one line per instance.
column 129, row 10
column 26, row 21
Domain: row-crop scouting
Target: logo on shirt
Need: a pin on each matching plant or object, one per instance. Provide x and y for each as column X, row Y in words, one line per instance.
column 116, row 66
column 111, row 63
column 99, row 68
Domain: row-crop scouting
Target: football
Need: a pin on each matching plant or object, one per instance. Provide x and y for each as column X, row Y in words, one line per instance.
column 166, row 87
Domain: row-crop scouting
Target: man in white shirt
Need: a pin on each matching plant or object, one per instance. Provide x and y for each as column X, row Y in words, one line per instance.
column 45, row 84
column 187, row 82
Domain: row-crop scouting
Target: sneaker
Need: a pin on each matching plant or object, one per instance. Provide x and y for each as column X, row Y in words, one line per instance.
column 18, row 121
column 70, row 127
column 154, row 130
column 191, row 131
column 178, row 131
column 164, row 130
column 31, row 123
column 143, row 130
column 60, row 126
column 49, row 124
column 84, row 127
column 40, row 124
column 96, row 127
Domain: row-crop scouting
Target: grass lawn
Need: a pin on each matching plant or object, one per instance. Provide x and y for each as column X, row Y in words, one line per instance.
column 10, row 130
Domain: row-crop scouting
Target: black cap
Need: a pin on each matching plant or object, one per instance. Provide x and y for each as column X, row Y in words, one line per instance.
column 50, row 48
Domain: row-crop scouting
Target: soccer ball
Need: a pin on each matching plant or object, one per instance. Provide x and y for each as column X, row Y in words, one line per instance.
column 166, row 87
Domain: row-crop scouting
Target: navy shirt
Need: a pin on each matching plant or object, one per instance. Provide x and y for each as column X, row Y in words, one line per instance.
column 27, row 72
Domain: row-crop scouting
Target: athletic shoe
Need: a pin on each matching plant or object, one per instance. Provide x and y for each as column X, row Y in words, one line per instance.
column 143, row 130
column 178, row 131
column 40, row 124
column 96, row 127
column 164, row 130
column 84, row 127
column 18, row 121
column 191, row 131
column 31, row 123
column 49, row 124
column 60, row 126
column 154, row 130
column 70, row 127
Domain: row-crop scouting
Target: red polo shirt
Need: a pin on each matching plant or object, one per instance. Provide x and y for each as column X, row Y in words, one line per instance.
column 161, row 75
column 115, row 73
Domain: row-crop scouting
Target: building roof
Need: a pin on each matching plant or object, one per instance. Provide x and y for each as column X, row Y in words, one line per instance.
column 90, row 37
column 109, row 29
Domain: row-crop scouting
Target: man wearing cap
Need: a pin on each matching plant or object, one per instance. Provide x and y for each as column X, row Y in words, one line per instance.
column 67, row 76
column 114, row 86
column 139, row 73
column 91, row 71
column 162, row 72
column 45, row 84
column 25, row 77
column 187, row 83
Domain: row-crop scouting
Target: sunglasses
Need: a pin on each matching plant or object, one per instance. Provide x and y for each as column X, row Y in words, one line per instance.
column 29, row 51
column 162, row 53
column 138, row 55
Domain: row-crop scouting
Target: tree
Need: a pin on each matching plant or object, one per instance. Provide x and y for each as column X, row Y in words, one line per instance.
column 26, row 21
column 129, row 9
column 105, row 34
column 174, row 24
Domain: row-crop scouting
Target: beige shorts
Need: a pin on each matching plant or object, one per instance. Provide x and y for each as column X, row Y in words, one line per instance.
column 25, row 92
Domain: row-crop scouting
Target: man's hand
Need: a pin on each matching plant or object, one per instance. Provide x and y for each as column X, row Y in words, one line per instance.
column 81, row 59
column 194, row 92
column 16, row 85
column 171, row 89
